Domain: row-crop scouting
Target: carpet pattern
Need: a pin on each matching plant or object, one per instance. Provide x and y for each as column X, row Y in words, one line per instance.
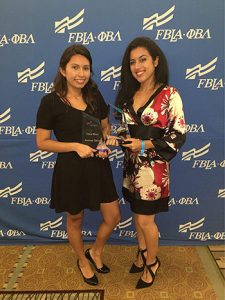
column 218, row 253
column 53, row 268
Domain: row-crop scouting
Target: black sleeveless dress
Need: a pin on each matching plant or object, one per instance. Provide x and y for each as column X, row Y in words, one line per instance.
column 77, row 183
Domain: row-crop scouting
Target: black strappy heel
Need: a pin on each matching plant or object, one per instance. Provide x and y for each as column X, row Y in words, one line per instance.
column 143, row 284
column 136, row 269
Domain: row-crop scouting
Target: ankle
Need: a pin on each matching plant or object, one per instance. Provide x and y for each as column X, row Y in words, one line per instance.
column 150, row 261
column 83, row 262
column 95, row 252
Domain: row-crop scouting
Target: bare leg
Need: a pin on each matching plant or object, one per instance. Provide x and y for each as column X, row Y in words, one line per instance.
column 111, row 217
column 141, row 242
column 151, row 236
column 74, row 230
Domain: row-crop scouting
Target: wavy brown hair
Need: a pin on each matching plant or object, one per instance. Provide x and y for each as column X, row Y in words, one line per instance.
column 60, row 83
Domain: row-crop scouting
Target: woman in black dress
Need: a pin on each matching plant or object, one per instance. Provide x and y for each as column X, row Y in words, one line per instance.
column 153, row 112
column 82, row 176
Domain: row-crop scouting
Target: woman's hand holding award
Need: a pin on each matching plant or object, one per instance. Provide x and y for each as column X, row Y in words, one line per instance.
column 122, row 131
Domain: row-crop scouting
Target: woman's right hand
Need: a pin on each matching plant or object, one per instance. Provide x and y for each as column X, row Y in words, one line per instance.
column 84, row 151
column 112, row 140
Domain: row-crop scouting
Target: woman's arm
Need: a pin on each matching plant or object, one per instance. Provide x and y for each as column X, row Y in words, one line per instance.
column 45, row 143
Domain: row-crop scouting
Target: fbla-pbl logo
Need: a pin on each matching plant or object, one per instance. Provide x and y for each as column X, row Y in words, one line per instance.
column 51, row 224
column 184, row 201
column 54, row 233
column 28, row 75
column 5, row 116
column 16, row 39
column 194, row 153
column 10, row 191
column 195, row 128
column 126, row 233
column 202, row 164
column 57, row 233
column 158, row 20
column 173, row 35
column 118, row 156
column 111, row 73
column 6, row 165
column 12, row 233
column 200, row 235
column 40, row 156
column 200, row 70
column 13, row 131
column 26, row 201
column 191, row 226
column 221, row 193
column 68, row 23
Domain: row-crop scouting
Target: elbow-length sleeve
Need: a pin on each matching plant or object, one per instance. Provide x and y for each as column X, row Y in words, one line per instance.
column 175, row 135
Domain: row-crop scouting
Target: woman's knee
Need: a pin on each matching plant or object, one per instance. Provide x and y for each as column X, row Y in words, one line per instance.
column 145, row 221
column 111, row 213
column 112, row 219
column 75, row 221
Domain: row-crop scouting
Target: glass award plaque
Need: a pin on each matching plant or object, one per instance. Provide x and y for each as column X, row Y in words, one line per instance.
column 91, row 130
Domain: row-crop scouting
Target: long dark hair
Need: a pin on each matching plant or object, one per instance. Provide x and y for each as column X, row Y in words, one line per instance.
column 129, row 85
column 60, row 84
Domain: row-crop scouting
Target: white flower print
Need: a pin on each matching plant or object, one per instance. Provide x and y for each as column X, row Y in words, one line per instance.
column 165, row 105
column 130, row 183
column 129, row 118
column 150, row 193
column 145, row 177
column 165, row 177
column 149, row 116
column 126, row 182
column 180, row 124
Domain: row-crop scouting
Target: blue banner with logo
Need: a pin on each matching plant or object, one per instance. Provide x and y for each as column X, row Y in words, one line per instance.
column 33, row 36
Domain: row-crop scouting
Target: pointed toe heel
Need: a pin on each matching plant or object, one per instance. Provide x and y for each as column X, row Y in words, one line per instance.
column 136, row 269
column 104, row 269
column 92, row 280
column 141, row 284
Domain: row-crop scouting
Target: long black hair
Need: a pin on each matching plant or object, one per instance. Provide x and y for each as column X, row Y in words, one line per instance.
column 129, row 85
column 60, row 84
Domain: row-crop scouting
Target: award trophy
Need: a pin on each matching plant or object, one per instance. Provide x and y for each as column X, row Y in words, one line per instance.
column 91, row 130
column 123, row 130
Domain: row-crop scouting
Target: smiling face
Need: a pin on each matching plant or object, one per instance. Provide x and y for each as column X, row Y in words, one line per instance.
column 77, row 72
column 142, row 65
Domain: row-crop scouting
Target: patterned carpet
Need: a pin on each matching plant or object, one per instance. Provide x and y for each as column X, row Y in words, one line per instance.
column 183, row 275
column 218, row 253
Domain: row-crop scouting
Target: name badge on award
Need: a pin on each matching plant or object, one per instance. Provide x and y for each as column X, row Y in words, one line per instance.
column 91, row 130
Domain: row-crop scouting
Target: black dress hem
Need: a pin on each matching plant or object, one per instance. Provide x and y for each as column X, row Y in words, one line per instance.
column 62, row 210
column 143, row 207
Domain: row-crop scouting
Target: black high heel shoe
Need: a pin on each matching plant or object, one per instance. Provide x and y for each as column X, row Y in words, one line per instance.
column 136, row 269
column 143, row 284
column 92, row 280
column 104, row 269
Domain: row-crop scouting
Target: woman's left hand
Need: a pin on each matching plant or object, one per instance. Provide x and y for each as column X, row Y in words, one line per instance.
column 103, row 151
column 134, row 145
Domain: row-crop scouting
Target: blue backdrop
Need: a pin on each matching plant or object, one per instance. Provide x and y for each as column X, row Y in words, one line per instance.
column 32, row 38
